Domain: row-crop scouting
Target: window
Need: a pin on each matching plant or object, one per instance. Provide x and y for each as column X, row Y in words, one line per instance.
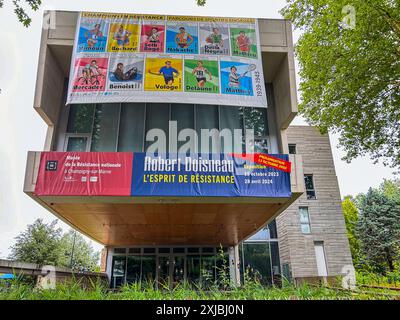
column 131, row 127
column 122, row 127
column 256, row 119
column 105, row 127
column 304, row 220
column 80, row 118
column 292, row 149
column 76, row 143
column 256, row 261
column 267, row 233
column 310, row 190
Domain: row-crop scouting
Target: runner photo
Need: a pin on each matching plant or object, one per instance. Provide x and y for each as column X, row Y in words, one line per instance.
column 201, row 75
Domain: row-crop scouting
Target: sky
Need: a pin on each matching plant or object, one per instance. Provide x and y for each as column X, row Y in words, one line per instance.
column 23, row 130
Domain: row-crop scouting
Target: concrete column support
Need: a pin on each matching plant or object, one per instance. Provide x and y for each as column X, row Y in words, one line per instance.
column 234, row 265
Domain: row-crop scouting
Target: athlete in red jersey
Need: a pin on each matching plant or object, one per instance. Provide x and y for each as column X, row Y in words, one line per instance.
column 243, row 42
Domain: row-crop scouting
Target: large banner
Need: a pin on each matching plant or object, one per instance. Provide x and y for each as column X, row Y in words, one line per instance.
column 147, row 175
column 176, row 59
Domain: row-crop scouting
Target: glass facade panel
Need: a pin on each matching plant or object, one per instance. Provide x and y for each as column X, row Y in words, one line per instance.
column 257, row 262
column 231, row 118
column 118, row 271
column 105, row 127
column 193, row 269
column 148, row 269
column 207, row 270
column 77, row 144
column 207, row 118
column 131, row 128
column 183, row 114
column 261, row 235
column 123, row 127
column 275, row 262
column 133, row 268
column 163, row 272
column 261, row 146
column 256, row 119
column 178, row 271
column 266, row 233
column 80, row 118
column 157, row 117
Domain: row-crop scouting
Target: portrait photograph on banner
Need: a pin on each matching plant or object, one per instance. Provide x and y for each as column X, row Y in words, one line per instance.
column 163, row 74
column 214, row 38
column 236, row 77
column 152, row 36
column 125, row 72
column 92, row 36
column 201, row 75
column 89, row 74
column 182, row 37
column 161, row 58
column 123, row 37
column 243, row 41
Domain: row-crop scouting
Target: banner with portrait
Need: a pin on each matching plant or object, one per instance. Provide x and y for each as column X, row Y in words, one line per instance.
column 172, row 59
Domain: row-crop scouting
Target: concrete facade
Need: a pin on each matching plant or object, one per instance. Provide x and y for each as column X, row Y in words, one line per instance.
column 325, row 212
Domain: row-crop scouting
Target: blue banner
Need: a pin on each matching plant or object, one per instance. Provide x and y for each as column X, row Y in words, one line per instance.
column 207, row 176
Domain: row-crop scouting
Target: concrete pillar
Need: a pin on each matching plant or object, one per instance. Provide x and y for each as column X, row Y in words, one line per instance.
column 234, row 265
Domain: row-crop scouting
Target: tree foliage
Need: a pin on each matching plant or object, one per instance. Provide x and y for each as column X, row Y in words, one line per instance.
column 378, row 230
column 75, row 249
column 24, row 18
column 20, row 9
column 350, row 73
column 44, row 244
column 350, row 212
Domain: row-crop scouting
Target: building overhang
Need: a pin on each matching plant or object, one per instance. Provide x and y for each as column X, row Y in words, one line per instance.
column 117, row 221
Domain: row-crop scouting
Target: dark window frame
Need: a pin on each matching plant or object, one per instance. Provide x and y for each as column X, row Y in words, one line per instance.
column 311, row 194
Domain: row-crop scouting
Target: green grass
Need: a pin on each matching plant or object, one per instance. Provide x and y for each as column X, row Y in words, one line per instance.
column 251, row 291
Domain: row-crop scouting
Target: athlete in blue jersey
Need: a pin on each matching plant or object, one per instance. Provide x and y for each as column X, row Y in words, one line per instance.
column 168, row 72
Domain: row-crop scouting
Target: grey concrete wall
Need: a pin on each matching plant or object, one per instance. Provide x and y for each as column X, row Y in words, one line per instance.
column 326, row 216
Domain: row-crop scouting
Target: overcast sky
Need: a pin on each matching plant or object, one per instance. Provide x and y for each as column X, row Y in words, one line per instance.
column 22, row 129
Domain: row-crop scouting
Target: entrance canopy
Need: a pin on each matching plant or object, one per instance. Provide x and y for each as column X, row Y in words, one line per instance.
column 158, row 220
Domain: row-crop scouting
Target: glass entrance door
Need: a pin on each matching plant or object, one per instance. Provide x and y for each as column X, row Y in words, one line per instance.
column 171, row 271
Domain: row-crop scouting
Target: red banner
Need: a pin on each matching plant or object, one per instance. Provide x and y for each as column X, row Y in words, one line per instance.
column 85, row 174
column 266, row 160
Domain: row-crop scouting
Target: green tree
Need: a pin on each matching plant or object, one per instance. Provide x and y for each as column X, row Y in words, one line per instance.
column 349, row 58
column 77, row 253
column 391, row 188
column 378, row 230
column 45, row 244
column 39, row 243
column 351, row 219
column 20, row 9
